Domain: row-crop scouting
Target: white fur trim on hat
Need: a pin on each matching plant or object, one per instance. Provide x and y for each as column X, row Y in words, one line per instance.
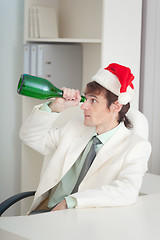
column 111, row 82
column 107, row 80
column 126, row 97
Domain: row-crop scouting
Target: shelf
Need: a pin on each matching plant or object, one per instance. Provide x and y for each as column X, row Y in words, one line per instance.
column 64, row 40
column 77, row 21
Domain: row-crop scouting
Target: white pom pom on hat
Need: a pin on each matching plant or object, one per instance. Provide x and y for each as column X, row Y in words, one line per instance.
column 117, row 79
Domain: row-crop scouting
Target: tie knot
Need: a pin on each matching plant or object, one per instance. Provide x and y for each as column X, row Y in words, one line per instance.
column 96, row 141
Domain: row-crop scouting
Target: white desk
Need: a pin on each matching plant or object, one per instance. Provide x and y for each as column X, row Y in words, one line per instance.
column 140, row 221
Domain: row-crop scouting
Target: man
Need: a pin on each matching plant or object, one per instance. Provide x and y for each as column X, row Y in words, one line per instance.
column 95, row 160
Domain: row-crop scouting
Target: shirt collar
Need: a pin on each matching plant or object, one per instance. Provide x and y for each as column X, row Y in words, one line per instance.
column 104, row 137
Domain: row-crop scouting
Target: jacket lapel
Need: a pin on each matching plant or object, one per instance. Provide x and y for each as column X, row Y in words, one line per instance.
column 76, row 148
column 108, row 150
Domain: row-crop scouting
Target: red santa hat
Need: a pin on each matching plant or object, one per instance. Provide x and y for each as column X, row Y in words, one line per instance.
column 117, row 79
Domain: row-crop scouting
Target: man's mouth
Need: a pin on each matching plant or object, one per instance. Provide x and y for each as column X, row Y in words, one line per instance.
column 86, row 115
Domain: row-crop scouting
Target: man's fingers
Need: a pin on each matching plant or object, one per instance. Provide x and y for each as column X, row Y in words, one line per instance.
column 71, row 94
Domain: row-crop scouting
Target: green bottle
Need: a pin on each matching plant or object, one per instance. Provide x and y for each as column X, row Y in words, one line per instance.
column 36, row 87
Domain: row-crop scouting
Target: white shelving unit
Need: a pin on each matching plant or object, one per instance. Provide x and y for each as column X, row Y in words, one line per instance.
column 108, row 30
column 78, row 22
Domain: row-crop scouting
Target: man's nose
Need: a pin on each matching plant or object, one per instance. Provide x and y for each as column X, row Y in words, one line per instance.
column 85, row 105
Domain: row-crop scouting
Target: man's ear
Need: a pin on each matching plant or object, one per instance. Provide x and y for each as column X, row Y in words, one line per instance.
column 116, row 106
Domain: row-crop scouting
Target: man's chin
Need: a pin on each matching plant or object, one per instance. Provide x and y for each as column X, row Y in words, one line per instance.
column 88, row 124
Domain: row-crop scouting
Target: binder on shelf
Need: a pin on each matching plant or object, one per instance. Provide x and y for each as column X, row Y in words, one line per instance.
column 47, row 22
column 30, row 23
column 33, row 70
column 42, row 22
column 27, row 59
column 35, row 23
column 61, row 64
column 40, row 61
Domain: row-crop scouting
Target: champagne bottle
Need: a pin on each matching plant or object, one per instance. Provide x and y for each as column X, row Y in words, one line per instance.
column 37, row 87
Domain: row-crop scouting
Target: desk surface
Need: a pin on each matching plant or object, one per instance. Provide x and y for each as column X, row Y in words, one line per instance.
column 138, row 221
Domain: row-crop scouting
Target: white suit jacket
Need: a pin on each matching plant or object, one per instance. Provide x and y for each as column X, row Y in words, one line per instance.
column 114, row 178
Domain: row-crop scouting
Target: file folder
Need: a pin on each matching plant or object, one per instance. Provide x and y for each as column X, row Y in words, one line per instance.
column 27, row 58
column 61, row 64
column 33, row 59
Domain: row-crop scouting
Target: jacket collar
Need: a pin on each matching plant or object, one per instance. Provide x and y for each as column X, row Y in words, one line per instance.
column 106, row 152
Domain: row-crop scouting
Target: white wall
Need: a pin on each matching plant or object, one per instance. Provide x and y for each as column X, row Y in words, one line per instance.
column 11, row 57
column 122, row 19
column 150, row 77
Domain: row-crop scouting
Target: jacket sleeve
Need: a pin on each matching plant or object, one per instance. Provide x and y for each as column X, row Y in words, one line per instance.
column 40, row 132
column 124, row 190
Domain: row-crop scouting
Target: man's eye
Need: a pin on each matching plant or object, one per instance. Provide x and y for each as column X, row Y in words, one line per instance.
column 93, row 100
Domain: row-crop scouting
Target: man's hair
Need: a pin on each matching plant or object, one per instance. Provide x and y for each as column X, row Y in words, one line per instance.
column 97, row 89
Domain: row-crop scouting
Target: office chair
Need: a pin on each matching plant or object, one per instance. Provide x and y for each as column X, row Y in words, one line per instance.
column 12, row 200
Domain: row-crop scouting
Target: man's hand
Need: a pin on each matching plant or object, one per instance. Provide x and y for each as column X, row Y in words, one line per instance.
column 61, row 206
column 71, row 97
